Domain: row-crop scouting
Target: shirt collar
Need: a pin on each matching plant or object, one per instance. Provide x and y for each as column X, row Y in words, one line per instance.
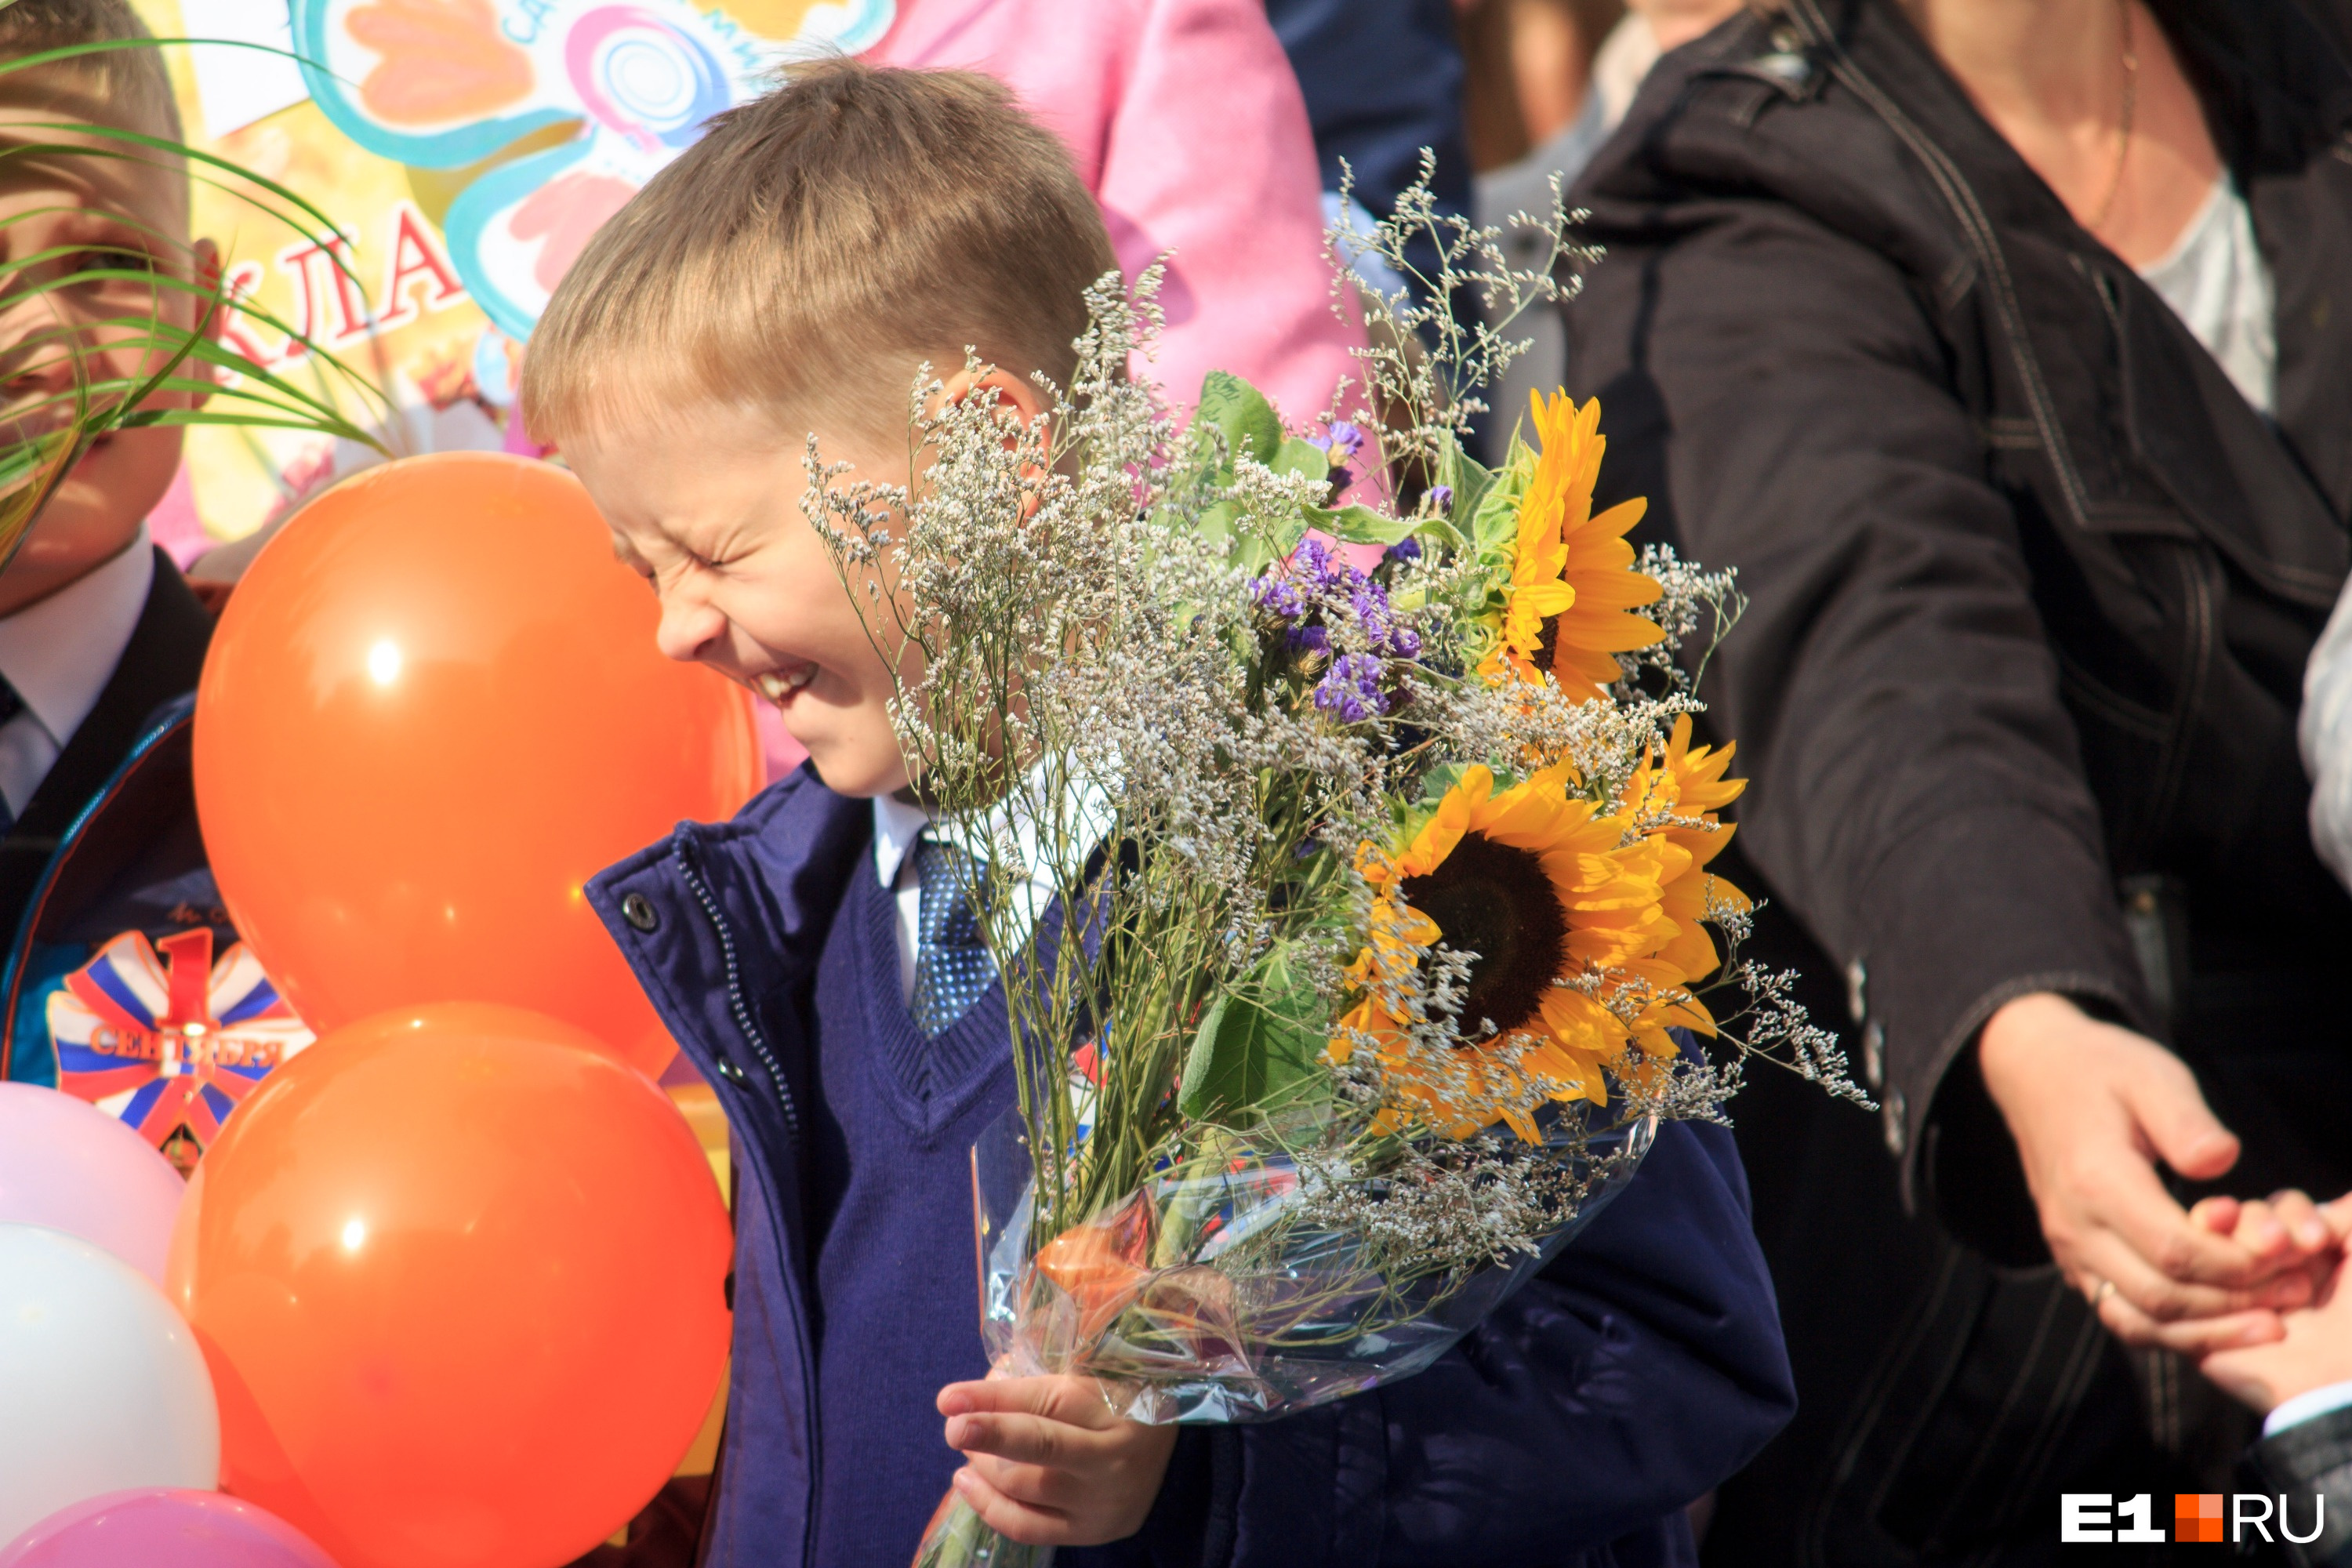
column 59, row 652
column 896, row 826
column 1088, row 819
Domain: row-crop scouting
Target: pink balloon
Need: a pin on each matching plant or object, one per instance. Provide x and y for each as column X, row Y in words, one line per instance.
column 69, row 1165
column 157, row 1527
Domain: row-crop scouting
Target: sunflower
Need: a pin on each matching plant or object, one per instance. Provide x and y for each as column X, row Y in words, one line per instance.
column 1687, row 786
column 1567, row 608
column 1547, row 892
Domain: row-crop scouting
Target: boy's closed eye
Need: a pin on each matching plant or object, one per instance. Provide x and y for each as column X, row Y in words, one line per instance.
column 112, row 259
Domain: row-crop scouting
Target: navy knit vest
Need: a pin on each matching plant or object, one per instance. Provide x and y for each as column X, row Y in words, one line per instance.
column 896, row 1297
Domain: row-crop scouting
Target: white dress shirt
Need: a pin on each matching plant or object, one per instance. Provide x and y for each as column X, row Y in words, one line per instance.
column 2308, row 1406
column 60, row 653
column 898, row 826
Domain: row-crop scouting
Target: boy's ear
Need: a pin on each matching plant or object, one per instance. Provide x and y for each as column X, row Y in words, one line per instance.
column 1011, row 391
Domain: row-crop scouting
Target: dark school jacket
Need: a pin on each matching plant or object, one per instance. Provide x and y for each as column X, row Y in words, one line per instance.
column 2032, row 587
column 2312, row 1457
column 123, row 980
column 1573, row 1427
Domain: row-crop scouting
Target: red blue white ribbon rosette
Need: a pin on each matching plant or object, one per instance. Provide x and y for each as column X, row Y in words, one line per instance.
column 162, row 1037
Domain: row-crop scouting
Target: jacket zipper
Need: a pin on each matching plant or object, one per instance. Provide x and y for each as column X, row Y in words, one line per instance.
column 748, row 1025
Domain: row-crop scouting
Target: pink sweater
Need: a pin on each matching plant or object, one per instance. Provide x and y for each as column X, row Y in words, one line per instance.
column 1188, row 126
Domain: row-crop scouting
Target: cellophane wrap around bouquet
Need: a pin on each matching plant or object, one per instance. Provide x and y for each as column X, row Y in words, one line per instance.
column 1347, row 864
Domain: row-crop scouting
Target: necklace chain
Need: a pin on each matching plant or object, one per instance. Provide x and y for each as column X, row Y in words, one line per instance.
column 2124, row 119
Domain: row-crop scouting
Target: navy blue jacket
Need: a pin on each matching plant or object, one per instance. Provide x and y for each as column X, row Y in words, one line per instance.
column 1382, row 80
column 1573, row 1427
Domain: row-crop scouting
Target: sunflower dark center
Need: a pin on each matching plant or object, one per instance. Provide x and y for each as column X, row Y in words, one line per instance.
column 1495, row 900
column 1546, row 642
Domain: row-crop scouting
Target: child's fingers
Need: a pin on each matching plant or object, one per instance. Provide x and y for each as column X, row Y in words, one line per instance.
column 1027, row 1439
column 2302, row 1221
column 2260, row 1232
column 1014, row 1520
column 1077, row 1401
column 1038, row 1486
column 2217, row 1214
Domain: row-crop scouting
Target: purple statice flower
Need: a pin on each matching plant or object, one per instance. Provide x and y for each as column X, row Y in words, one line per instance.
column 1377, row 617
column 1351, row 689
column 1339, row 441
column 1314, row 563
column 1310, row 639
column 1406, row 549
column 1441, row 497
column 1278, row 596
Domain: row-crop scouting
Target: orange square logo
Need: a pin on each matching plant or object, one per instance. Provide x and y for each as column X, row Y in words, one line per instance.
column 2197, row 1516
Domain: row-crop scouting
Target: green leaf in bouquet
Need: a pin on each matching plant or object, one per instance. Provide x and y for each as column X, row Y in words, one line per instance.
column 1434, row 528
column 1216, row 522
column 1241, row 414
column 1493, row 525
column 1254, row 549
column 1469, row 479
column 1360, row 524
column 1300, row 456
column 1256, row 1050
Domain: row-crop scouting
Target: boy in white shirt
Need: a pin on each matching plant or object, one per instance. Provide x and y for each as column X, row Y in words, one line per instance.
column 102, row 638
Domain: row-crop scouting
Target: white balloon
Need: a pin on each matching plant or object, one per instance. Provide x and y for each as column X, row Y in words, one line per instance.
column 101, row 1385
column 69, row 1165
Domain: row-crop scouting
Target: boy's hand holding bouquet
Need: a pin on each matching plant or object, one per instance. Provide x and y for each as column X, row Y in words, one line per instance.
column 1356, row 918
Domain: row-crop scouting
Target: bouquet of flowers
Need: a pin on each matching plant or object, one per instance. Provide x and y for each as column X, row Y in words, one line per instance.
column 1347, row 864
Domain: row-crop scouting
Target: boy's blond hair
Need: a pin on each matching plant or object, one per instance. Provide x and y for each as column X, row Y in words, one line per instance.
column 856, row 220
column 126, row 89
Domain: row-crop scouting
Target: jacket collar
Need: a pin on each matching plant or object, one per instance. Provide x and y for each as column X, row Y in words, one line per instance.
column 734, row 910
column 162, row 661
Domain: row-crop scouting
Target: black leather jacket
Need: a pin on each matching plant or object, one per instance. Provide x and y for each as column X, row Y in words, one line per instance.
column 2033, row 587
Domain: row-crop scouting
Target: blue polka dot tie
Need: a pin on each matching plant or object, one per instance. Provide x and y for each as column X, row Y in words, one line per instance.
column 953, row 969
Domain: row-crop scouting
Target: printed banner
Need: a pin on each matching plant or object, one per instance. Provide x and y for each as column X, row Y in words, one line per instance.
column 465, row 150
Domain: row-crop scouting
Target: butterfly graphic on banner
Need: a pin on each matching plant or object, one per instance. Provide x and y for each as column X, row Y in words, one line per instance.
column 446, row 84
column 164, row 1037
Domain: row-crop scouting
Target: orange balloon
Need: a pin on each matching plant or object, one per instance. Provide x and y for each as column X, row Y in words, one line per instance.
column 459, row 1276
column 432, row 710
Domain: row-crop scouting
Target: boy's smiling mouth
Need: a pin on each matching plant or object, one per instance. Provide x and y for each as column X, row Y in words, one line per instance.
column 780, row 687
